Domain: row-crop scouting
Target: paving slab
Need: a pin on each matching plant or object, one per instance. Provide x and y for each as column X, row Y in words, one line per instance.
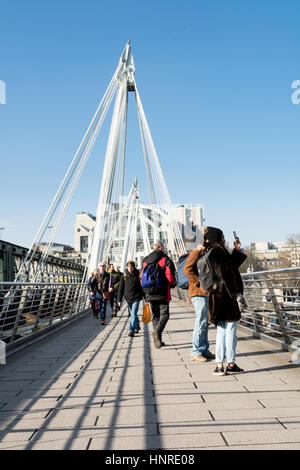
column 268, row 437
column 254, row 413
column 28, row 424
column 61, row 444
column 183, row 412
column 284, row 402
column 219, row 426
column 42, row 404
column 290, row 423
column 261, row 396
column 15, row 436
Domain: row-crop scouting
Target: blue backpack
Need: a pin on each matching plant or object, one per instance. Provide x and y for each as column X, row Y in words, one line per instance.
column 181, row 279
column 151, row 276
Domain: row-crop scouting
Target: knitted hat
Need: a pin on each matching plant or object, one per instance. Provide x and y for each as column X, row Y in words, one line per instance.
column 132, row 263
column 212, row 234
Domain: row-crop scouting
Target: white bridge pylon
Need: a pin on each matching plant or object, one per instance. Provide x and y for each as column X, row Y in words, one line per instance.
column 122, row 228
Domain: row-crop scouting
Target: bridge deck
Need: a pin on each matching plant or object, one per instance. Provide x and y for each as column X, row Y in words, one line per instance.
column 89, row 387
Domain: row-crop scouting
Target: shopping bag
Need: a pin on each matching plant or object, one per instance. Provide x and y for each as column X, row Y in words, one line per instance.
column 146, row 313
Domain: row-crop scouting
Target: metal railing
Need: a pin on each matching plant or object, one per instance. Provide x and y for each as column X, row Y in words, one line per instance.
column 273, row 299
column 26, row 308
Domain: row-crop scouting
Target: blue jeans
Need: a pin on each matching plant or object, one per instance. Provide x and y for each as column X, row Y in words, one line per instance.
column 226, row 341
column 134, row 320
column 101, row 306
column 200, row 334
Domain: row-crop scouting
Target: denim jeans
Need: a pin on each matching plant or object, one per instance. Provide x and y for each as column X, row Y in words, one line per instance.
column 200, row 334
column 134, row 320
column 101, row 306
column 226, row 341
column 114, row 302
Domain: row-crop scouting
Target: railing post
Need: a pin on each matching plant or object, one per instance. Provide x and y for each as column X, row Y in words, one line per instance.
column 251, row 310
column 78, row 304
column 278, row 312
column 19, row 314
column 54, row 305
column 40, row 308
column 66, row 302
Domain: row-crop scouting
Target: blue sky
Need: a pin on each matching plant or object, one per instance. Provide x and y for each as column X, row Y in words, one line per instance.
column 215, row 81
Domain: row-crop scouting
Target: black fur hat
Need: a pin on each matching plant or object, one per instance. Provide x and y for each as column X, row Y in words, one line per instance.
column 213, row 234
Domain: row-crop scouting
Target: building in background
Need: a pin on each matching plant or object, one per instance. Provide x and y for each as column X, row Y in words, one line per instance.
column 277, row 254
column 83, row 230
column 189, row 218
column 62, row 251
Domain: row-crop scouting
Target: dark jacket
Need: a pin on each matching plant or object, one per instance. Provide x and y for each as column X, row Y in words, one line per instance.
column 115, row 278
column 88, row 284
column 100, row 282
column 130, row 287
column 167, row 268
column 222, row 303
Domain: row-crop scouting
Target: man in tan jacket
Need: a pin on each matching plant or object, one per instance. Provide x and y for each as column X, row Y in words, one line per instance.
column 199, row 298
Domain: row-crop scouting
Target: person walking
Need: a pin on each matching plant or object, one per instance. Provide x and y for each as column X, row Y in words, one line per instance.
column 92, row 295
column 157, row 278
column 131, row 288
column 199, row 297
column 114, row 281
column 227, row 301
column 117, row 268
column 100, row 285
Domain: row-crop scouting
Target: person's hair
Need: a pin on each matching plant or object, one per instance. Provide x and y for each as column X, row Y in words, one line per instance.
column 158, row 245
column 212, row 234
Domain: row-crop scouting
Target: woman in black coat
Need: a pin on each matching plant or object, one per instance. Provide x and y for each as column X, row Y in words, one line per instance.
column 227, row 300
column 131, row 288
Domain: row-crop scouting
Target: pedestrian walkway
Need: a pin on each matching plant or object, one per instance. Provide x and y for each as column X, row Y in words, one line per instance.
column 93, row 387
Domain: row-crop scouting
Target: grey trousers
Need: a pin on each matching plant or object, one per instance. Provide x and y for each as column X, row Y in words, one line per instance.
column 160, row 316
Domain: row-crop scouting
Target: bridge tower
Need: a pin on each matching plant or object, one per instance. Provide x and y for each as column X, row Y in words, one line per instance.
column 124, row 226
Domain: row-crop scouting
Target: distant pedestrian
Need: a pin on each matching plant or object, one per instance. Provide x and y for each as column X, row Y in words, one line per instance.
column 92, row 295
column 117, row 268
column 225, row 303
column 114, row 281
column 131, row 288
column 100, row 284
column 199, row 298
column 158, row 275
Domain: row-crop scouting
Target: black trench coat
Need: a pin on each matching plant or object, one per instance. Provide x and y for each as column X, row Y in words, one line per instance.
column 222, row 304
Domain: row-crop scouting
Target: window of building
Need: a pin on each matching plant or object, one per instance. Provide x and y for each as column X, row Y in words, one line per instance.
column 84, row 244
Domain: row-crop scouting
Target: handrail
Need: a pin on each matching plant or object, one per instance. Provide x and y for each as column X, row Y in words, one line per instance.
column 26, row 308
column 273, row 305
column 273, row 299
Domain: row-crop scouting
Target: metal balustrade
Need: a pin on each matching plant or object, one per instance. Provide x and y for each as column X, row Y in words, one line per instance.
column 26, row 308
column 273, row 300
